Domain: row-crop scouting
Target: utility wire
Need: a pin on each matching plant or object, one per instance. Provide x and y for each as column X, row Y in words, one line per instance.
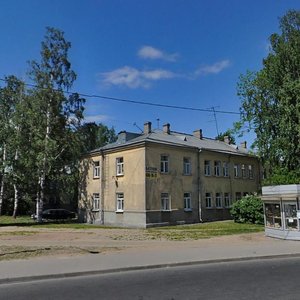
column 142, row 102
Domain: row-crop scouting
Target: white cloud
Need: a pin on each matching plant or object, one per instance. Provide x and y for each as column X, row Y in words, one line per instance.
column 149, row 52
column 96, row 118
column 214, row 68
column 134, row 78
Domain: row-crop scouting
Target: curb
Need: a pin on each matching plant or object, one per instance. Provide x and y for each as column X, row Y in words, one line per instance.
column 146, row 267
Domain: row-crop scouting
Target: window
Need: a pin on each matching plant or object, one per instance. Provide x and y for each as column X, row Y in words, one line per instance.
column 120, row 202
column 207, row 167
column 208, row 200
column 236, row 170
column 225, row 169
column 217, row 168
column 96, row 172
column 187, row 201
column 218, row 200
column 290, row 214
column 250, row 171
column 227, row 200
column 187, row 166
column 96, row 201
column 120, row 166
column 165, row 202
column 243, row 170
column 273, row 215
column 164, row 163
column 238, row 196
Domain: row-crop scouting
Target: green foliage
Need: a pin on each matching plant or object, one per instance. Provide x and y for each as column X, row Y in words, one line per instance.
column 283, row 176
column 94, row 136
column 229, row 133
column 248, row 210
column 271, row 100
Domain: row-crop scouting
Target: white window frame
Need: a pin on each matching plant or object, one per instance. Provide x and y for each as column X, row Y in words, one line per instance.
column 227, row 200
column 119, row 202
column 187, row 166
column 225, row 169
column 96, row 201
column 217, row 168
column 119, row 166
column 219, row 200
column 207, row 170
column 236, row 170
column 96, row 169
column 165, row 202
column 208, row 200
column 250, row 171
column 243, row 171
column 164, row 163
column 187, row 199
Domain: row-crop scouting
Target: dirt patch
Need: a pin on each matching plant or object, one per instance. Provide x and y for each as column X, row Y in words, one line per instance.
column 23, row 242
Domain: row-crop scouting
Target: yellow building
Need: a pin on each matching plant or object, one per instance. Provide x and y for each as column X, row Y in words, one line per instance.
column 162, row 177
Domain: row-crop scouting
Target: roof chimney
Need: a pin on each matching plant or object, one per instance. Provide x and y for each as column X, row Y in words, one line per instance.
column 147, row 127
column 198, row 134
column 226, row 139
column 244, row 145
column 166, row 128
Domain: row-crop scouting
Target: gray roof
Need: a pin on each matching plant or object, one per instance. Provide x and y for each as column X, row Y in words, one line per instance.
column 175, row 139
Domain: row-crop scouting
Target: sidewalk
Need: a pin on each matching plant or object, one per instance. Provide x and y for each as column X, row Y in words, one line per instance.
column 132, row 258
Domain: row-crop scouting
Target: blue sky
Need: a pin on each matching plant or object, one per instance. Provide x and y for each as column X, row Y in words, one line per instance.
column 175, row 52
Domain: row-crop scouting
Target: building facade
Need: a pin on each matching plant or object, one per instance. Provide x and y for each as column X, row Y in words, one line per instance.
column 162, row 177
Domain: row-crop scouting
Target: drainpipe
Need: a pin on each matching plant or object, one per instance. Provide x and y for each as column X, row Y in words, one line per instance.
column 102, row 188
column 199, row 187
column 231, row 177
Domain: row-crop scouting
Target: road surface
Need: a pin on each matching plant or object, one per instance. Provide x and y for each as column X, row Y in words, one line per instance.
column 256, row 279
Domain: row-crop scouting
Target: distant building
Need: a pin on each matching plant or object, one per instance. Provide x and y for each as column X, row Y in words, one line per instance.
column 162, row 177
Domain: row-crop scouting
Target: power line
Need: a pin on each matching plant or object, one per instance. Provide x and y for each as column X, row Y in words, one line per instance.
column 143, row 102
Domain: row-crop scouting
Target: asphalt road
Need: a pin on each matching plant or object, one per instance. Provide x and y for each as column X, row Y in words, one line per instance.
column 258, row 279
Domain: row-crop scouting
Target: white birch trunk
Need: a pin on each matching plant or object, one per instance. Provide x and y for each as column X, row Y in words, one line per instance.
column 3, row 179
column 16, row 202
column 42, row 177
column 16, row 189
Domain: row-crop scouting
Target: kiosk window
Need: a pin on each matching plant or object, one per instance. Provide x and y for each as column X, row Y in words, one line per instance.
column 290, row 213
column 273, row 215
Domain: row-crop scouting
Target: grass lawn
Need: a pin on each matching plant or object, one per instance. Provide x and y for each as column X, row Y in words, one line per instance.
column 179, row 232
column 204, row 230
column 22, row 220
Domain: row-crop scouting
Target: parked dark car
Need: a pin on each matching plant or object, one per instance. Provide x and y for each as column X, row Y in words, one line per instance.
column 56, row 214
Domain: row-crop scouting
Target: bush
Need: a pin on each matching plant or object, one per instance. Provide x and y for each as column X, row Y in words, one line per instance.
column 248, row 210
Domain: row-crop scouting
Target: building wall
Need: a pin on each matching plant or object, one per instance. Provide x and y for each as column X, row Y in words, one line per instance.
column 173, row 182
column 235, row 186
column 131, row 184
column 89, row 185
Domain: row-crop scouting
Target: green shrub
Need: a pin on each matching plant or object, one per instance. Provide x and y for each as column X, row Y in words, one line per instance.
column 248, row 210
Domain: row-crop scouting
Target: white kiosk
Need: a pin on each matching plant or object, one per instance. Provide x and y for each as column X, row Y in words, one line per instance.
column 282, row 211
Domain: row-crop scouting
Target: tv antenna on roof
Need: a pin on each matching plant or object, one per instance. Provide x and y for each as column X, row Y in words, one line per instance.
column 134, row 124
column 215, row 117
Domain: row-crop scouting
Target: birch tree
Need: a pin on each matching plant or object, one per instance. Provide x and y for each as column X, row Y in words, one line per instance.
column 10, row 135
column 52, row 112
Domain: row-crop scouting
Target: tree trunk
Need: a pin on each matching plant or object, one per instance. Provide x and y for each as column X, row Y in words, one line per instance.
column 3, row 179
column 16, row 198
column 16, row 202
column 42, row 177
